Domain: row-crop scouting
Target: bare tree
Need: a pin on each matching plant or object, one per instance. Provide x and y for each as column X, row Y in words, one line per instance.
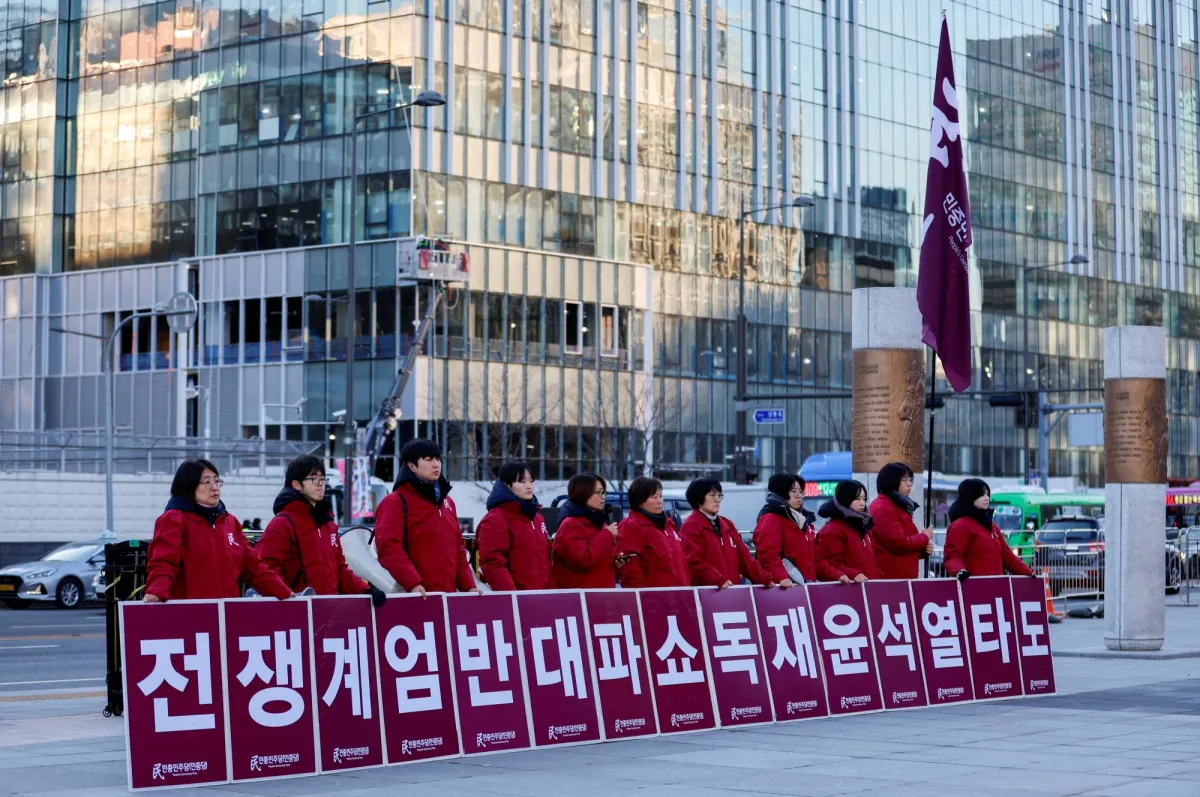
column 835, row 413
column 626, row 422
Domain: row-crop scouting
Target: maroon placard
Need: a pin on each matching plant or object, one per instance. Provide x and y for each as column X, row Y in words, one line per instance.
column 790, row 651
column 558, row 668
column 847, row 658
column 940, row 638
column 488, row 676
column 619, row 657
column 735, row 655
column 678, row 670
column 419, row 718
column 349, row 733
column 174, row 697
column 269, row 688
column 1033, row 635
column 893, row 635
column 995, row 662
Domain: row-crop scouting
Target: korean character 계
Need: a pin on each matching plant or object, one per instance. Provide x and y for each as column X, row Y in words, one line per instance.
column 619, row 652
column 351, row 672
column 164, row 672
column 288, row 676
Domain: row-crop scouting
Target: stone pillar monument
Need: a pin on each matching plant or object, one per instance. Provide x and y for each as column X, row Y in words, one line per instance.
column 1135, row 476
column 889, row 386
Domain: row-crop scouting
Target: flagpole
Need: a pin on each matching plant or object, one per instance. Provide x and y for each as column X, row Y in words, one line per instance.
column 929, row 451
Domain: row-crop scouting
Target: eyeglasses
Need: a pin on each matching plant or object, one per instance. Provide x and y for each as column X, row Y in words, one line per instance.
column 602, row 493
column 717, row 496
column 211, row 483
column 797, row 492
column 317, row 481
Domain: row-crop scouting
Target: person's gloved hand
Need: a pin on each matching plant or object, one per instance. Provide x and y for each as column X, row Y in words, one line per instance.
column 962, row 575
column 1034, row 575
column 378, row 596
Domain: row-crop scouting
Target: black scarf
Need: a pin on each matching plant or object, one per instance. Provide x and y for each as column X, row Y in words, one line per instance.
column 859, row 521
column 321, row 512
column 659, row 520
column 209, row 513
column 778, row 506
column 432, row 492
column 597, row 517
column 503, row 494
column 902, row 501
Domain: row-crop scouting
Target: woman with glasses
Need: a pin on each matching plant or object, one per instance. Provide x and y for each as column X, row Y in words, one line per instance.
column 649, row 542
column 784, row 534
column 198, row 549
column 845, row 552
column 301, row 542
column 514, row 547
column 586, row 537
column 717, row 557
column 899, row 546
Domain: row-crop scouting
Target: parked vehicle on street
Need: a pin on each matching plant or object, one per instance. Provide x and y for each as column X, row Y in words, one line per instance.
column 1070, row 550
column 64, row 576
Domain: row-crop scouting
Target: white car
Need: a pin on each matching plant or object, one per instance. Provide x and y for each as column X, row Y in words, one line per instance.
column 65, row 576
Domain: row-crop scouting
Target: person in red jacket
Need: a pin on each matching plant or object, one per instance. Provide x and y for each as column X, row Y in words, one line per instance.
column 514, row 547
column 649, row 541
column 301, row 543
column 585, row 539
column 416, row 526
column 716, row 555
column 783, row 536
column 975, row 546
column 844, row 548
column 198, row 550
column 898, row 545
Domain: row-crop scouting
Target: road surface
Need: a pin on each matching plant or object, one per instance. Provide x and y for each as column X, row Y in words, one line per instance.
column 48, row 648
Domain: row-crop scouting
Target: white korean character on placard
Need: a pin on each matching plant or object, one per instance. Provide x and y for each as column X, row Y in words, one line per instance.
column 981, row 626
column 288, row 677
column 570, row 657
column 842, row 621
column 619, row 661
column 414, row 693
column 474, row 655
column 938, row 619
column 896, row 628
column 799, row 651
column 350, row 671
column 734, row 650
column 679, row 670
column 164, row 672
column 1034, row 631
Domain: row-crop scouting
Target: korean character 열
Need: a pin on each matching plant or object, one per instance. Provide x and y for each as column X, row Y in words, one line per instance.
column 939, row 623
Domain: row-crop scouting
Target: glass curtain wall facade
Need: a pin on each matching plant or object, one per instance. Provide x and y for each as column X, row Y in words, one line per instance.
column 592, row 157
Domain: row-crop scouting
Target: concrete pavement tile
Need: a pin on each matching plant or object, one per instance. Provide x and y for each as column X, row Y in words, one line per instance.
column 1170, row 754
column 1158, row 787
column 892, row 770
column 543, row 759
column 923, row 790
column 971, row 756
column 1051, row 782
column 752, row 759
column 524, row 784
column 795, row 782
column 645, row 748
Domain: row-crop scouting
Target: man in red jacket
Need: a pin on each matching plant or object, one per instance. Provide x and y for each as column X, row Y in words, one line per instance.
column 416, row 527
column 898, row 546
column 301, row 543
column 198, row 550
column 717, row 557
column 514, row 546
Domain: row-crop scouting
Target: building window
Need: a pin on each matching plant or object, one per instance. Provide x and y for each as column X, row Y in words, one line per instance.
column 610, row 317
column 573, row 328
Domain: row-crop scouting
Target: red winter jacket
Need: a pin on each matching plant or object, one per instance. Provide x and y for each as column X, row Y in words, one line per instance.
column 514, row 549
column 305, row 554
column 418, row 538
column 842, row 550
column 192, row 557
column 899, row 545
column 583, row 552
column 777, row 537
column 660, row 560
column 981, row 552
column 716, row 558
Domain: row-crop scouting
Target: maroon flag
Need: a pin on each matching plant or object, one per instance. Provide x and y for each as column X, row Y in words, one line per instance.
column 943, row 290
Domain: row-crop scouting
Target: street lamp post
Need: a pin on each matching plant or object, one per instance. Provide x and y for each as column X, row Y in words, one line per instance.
column 1076, row 260
column 741, row 405
column 425, row 99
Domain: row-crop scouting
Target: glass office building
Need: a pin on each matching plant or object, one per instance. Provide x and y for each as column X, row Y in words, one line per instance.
column 591, row 158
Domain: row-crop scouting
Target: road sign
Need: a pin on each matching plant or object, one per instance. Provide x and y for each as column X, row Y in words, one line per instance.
column 181, row 312
column 768, row 416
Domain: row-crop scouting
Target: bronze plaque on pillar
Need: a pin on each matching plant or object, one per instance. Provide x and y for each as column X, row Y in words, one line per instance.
column 1135, row 431
column 888, row 409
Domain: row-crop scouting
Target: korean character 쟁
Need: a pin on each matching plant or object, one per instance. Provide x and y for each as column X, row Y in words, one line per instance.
column 288, row 676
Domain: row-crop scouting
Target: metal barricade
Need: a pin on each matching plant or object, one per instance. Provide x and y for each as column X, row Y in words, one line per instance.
column 1074, row 573
column 1184, row 548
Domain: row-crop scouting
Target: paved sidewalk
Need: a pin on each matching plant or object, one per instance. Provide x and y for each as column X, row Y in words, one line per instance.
column 1117, row 729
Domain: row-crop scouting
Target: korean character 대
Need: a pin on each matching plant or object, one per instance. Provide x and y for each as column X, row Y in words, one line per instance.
column 565, row 634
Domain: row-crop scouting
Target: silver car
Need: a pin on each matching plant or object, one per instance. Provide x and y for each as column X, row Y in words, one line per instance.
column 65, row 576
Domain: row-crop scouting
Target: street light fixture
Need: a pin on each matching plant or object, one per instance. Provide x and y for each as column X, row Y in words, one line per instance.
column 424, row 99
column 740, row 404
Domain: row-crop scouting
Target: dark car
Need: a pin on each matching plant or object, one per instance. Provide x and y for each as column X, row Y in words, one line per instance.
column 1070, row 551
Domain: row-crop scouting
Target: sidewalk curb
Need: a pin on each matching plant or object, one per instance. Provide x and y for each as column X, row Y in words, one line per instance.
column 1143, row 655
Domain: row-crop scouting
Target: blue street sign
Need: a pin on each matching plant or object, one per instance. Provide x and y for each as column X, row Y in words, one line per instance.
column 768, row 416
